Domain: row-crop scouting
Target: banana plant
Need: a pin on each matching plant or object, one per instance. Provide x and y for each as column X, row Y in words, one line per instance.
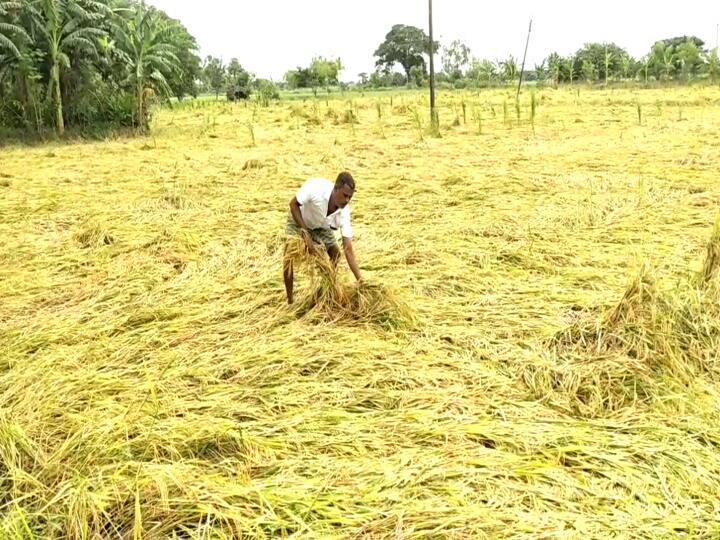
column 10, row 29
column 147, row 44
column 69, row 28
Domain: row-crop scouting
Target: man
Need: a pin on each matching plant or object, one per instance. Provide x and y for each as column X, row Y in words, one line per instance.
column 317, row 210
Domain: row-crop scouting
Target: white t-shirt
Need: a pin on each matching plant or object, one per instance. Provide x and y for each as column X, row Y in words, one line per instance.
column 314, row 197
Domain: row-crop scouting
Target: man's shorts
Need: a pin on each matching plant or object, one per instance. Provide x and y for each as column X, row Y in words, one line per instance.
column 325, row 237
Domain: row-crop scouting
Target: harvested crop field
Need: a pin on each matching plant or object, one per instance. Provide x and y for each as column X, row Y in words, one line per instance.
column 553, row 370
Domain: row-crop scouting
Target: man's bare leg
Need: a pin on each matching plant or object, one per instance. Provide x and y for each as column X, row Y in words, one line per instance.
column 288, row 276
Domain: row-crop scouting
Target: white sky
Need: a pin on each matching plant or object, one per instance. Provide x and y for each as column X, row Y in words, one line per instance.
column 269, row 37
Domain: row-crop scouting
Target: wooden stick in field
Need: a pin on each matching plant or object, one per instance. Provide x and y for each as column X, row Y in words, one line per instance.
column 522, row 69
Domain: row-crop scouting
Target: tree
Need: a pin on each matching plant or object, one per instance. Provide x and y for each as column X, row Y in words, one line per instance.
column 417, row 75
column 559, row 68
column 554, row 66
column 668, row 66
column 644, row 67
column 713, row 64
column 589, row 71
column 68, row 28
column 404, row 45
column 570, row 69
column 660, row 60
column 215, row 74
column 325, row 72
column 74, row 62
column 266, row 91
column 482, row 71
column 10, row 31
column 237, row 76
column 681, row 55
column 239, row 81
column 183, row 81
column 146, row 42
column 455, row 60
column 301, row 78
column 606, row 57
column 17, row 64
column 689, row 55
column 627, row 63
column 508, row 69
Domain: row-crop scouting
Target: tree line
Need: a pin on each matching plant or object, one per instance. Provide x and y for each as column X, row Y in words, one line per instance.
column 402, row 60
column 683, row 59
column 87, row 62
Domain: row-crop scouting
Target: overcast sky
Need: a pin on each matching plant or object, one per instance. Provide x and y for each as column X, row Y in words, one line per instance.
column 269, row 37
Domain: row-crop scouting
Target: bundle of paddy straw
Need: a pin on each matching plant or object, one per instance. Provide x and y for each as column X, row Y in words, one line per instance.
column 627, row 355
column 330, row 299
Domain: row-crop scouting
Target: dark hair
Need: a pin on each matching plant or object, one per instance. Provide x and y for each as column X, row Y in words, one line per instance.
column 345, row 179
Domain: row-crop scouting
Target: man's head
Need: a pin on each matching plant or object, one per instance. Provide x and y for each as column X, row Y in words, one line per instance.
column 344, row 189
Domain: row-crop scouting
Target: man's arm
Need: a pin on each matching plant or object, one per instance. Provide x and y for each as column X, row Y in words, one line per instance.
column 297, row 216
column 350, row 256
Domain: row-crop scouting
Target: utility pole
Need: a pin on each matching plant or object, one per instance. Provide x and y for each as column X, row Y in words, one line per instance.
column 433, row 116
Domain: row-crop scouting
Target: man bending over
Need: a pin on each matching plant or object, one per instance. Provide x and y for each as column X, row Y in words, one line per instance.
column 317, row 210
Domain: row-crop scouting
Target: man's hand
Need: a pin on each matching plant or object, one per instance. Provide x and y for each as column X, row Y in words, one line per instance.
column 350, row 257
column 308, row 241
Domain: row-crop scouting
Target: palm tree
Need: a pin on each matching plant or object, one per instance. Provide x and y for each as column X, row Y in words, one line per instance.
column 713, row 63
column 16, row 63
column 10, row 30
column 147, row 43
column 509, row 69
column 668, row 58
column 68, row 27
column 554, row 65
column 608, row 56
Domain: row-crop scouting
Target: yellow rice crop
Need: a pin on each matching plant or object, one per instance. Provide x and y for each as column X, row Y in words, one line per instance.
column 536, row 355
column 332, row 300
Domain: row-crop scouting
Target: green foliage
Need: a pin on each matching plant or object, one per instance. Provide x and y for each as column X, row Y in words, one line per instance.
column 300, row 78
column 713, row 64
column 266, row 91
column 417, row 75
column 404, row 45
column 321, row 72
column 325, row 71
column 677, row 58
column 509, row 69
column 83, row 62
column 237, row 75
column 239, row 81
column 386, row 79
column 606, row 58
column 482, row 72
column 12, row 34
column 589, row 70
column 456, row 60
column 689, row 55
column 214, row 74
column 184, row 82
column 146, row 42
column 540, row 73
